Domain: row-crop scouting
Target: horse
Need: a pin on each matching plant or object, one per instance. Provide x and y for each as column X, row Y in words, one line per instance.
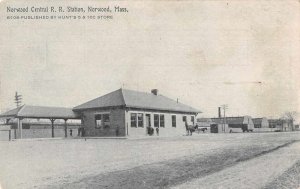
column 190, row 129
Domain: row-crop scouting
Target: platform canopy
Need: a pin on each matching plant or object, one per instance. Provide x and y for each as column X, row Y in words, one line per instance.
column 41, row 112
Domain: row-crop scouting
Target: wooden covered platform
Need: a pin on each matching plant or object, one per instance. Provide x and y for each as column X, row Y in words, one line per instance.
column 40, row 112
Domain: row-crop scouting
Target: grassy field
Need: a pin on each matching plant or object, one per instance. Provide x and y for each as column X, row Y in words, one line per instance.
column 139, row 163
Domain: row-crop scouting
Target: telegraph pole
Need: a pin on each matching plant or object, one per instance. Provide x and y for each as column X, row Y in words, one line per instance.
column 18, row 99
column 224, row 107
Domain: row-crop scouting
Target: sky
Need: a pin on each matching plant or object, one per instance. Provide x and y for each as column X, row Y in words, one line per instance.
column 205, row 53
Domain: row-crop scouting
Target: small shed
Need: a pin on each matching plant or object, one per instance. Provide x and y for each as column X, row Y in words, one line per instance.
column 219, row 128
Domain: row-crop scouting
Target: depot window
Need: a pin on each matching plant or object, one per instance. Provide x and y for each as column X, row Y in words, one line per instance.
column 133, row 119
column 184, row 118
column 156, row 120
column 162, row 120
column 140, row 120
column 102, row 120
column 173, row 120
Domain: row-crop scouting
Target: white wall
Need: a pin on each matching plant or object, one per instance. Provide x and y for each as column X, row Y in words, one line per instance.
column 264, row 123
column 248, row 120
column 264, row 129
column 168, row 130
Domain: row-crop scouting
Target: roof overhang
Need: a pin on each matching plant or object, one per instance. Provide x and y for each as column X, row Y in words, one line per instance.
column 163, row 109
column 40, row 112
column 138, row 108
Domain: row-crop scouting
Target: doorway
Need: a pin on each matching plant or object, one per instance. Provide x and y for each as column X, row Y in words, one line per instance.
column 148, row 120
column 148, row 123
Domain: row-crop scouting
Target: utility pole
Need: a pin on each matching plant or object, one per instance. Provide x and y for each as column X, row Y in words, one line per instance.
column 224, row 107
column 18, row 99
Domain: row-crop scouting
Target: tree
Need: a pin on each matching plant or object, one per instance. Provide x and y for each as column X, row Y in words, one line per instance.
column 289, row 118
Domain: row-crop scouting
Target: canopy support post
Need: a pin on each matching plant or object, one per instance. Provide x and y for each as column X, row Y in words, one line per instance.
column 66, row 134
column 52, row 127
column 20, row 127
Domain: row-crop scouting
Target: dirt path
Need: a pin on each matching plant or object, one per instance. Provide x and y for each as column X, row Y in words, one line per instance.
column 172, row 172
column 254, row 173
column 152, row 162
column 289, row 179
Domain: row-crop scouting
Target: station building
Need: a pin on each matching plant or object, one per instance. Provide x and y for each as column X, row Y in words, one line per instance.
column 120, row 113
column 130, row 113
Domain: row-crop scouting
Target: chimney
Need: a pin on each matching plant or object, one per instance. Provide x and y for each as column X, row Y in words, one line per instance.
column 154, row 91
column 219, row 110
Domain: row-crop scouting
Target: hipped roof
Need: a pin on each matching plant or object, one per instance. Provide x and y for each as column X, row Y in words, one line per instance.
column 46, row 112
column 136, row 99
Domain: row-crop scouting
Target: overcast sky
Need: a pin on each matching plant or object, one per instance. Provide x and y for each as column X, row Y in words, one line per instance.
column 206, row 53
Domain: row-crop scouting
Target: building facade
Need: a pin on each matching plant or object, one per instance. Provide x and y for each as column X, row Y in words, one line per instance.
column 131, row 113
column 119, row 113
column 281, row 124
column 204, row 122
column 260, row 122
column 236, row 124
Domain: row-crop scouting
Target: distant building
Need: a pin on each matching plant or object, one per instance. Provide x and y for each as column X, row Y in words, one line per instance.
column 260, row 122
column 236, row 124
column 281, row 124
column 204, row 122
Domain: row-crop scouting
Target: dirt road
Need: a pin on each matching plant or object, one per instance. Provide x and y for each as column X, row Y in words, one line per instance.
column 147, row 163
column 254, row 173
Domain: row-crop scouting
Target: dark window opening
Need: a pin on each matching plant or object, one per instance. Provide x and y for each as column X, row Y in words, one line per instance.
column 98, row 120
column 106, row 119
column 184, row 118
column 25, row 126
column 148, row 120
column 173, row 120
column 102, row 120
column 257, row 125
column 156, row 120
column 162, row 120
